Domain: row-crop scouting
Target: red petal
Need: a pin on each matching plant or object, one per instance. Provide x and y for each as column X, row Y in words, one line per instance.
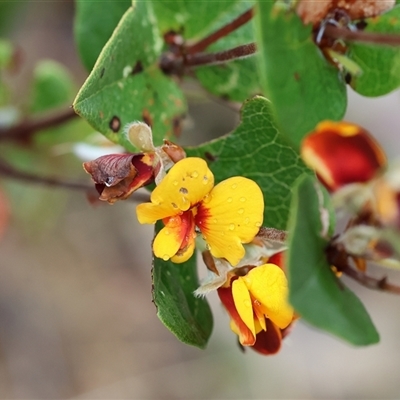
column 225, row 295
column 268, row 342
column 342, row 153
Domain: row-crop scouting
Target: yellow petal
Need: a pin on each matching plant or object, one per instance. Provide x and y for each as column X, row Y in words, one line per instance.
column 231, row 215
column 186, row 184
column 184, row 254
column 166, row 243
column 177, row 236
column 242, row 300
column 268, row 285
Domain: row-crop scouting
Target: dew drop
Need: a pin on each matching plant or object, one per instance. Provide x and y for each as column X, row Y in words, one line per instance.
column 246, row 221
column 234, row 186
column 167, row 232
column 247, row 303
column 205, row 180
column 184, row 190
column 241, row 211
column 257, row 224
column 243, row 199
column 215, row 220
column 208, row 247
column 165, row 257
column 175, row 182
column 195, row 174
column 231, row 227
column 174, row 205
column 229, row 200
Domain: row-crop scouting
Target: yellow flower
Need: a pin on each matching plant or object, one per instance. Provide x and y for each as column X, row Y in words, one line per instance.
column 256, row 299
column 227, row 215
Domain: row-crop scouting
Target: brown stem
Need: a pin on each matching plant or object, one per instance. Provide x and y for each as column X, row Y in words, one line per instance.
column 360, row 36
column 369, row 281
column 236, row 53
column 202, row 44
column 9, row 171
column 29, row 126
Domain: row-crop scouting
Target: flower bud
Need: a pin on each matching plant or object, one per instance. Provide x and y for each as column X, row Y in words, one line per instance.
column 342, row 153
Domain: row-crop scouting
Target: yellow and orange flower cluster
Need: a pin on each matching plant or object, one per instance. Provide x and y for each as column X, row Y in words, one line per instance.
column 186, row 200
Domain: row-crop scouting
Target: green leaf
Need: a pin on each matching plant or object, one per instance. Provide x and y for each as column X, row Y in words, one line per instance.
column 380, row 64
column 315, row 292
column 257, row 150
column 6, row 53
column 52, row 86
column 236, row 80
column 188, row 317
column 194, row 19
column 126, row 84
column 94, row 23
column 302, row 85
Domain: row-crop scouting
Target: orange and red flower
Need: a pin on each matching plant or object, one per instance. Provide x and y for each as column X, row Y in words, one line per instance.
column 256, row 299
column 342, row 153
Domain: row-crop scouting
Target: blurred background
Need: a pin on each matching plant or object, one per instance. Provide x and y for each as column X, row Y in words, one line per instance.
column 76, row 317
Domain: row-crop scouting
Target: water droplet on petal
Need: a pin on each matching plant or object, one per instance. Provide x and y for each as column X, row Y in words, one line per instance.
column 243, row 199
column 167, row 232
column 234, row 186
column 174, row 205
column 195, row 174
column 247, row 303
column 257, row 224
column 175, row 182
column 184, row 190
column 241, row 211
column 165, row 257
column 231, row 227
column 246, row 221
column 215, row 220
column 208, row 247
column 205, row 180
column 229, row 200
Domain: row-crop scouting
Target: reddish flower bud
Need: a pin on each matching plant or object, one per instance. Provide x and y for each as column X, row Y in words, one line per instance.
column 117, row 176
column 342, row 153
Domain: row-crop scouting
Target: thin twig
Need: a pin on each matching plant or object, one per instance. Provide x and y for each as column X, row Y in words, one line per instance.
column 29, row 126
column 220, row 57
column 9, row 171
column 171, row 64
column 202, row 44
column 361, row 36
column 369, row 281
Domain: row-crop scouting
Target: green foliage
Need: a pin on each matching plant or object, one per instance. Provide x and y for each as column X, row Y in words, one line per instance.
column 380, row 64
column 126, row 83
column 194, row 19
column 189, row 318
column 123, row 46
column 52, row 86
column 94, row 24
column 315, row 292
column 257, row 150
column 237, row 80
column 6, row 53
column 302, row 85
